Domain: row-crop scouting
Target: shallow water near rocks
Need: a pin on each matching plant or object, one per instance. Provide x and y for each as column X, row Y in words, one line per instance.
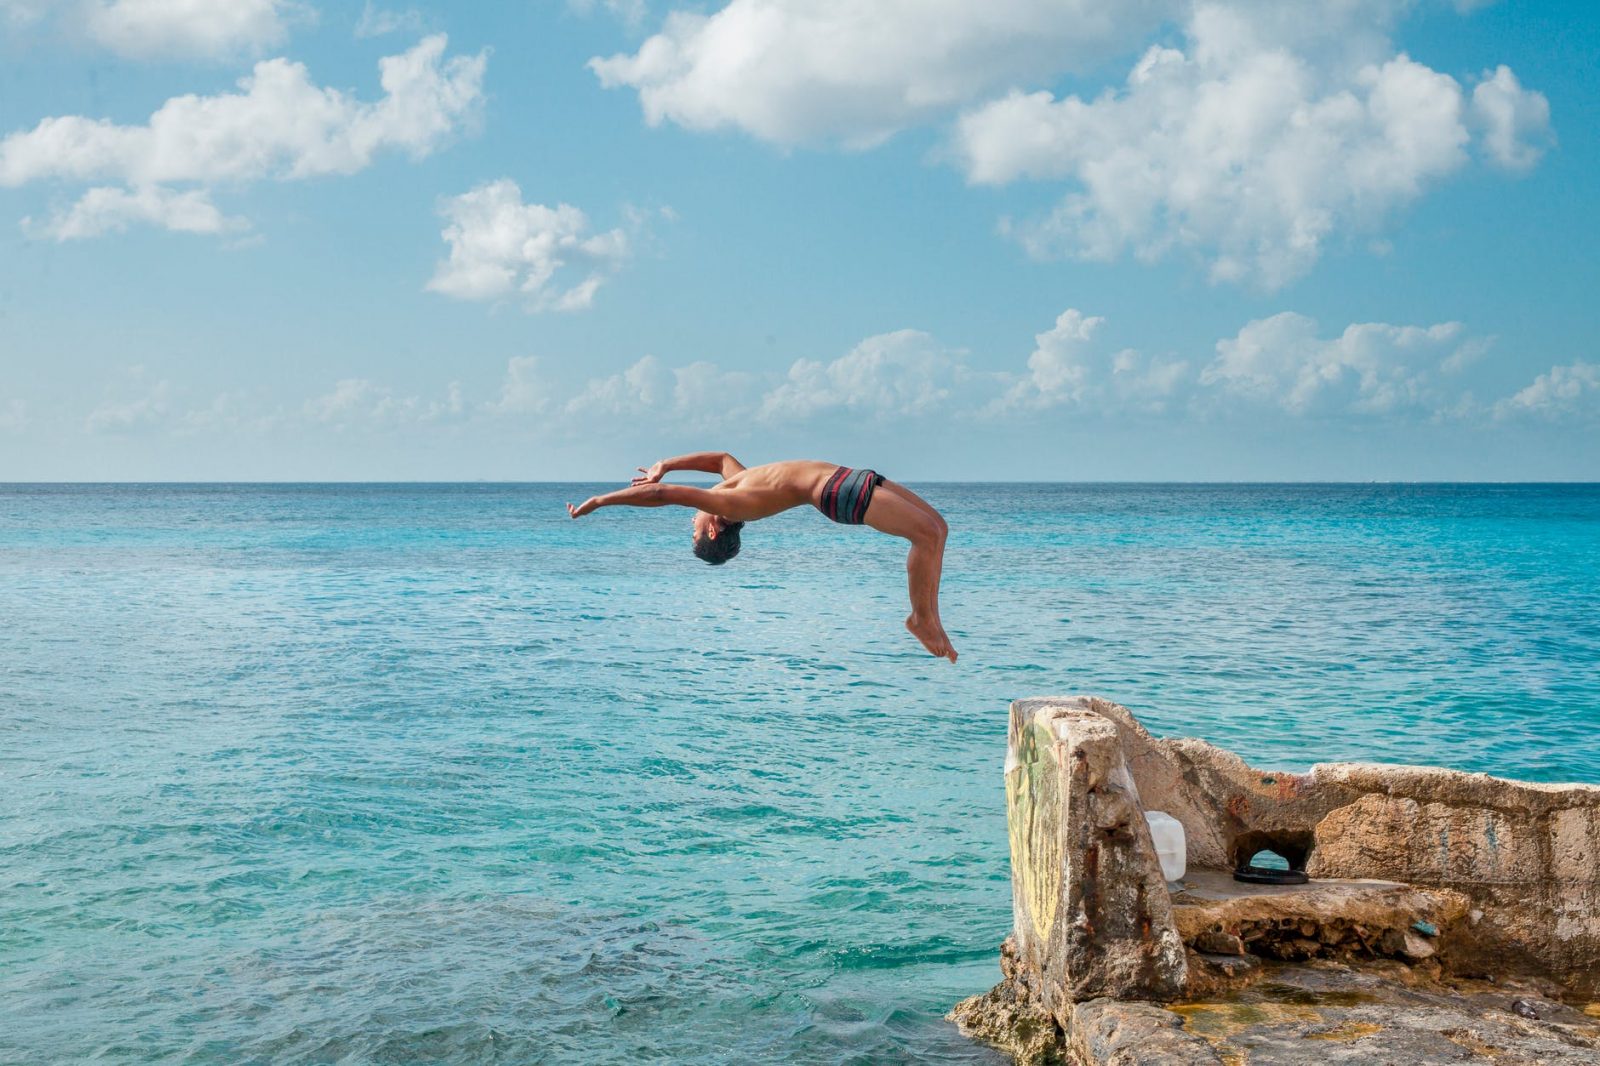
column 433, row 773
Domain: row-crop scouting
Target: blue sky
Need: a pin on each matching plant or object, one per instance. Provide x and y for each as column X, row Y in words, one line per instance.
column 1026, row 239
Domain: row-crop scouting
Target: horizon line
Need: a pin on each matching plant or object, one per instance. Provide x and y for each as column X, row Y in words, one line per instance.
column 920, row 481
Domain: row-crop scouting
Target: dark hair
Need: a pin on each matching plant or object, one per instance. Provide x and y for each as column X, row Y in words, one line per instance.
column 719, row 550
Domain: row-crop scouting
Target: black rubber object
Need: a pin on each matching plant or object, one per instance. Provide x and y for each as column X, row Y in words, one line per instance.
column 1260, row 875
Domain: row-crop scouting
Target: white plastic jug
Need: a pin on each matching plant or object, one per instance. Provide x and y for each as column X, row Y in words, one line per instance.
column 1171, row 848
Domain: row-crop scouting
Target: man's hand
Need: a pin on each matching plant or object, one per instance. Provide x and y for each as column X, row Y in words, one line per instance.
column 649, row 477
column 583, row 508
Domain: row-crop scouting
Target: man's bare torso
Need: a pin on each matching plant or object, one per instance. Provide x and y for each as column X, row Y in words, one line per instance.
column 763, row 491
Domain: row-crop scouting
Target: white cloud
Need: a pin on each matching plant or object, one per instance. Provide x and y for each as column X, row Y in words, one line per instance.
column 1279, row 363
column 1370, row 368
column 109, row 209
column 279, row 125
column 706, row 394
column 1560, row 392
column 1239, row 150
column 1146, row 383
column 524, row 391
column 1515, row 121
column 793, row 71
column 901, row 373
column 360, row 402
column 151, row 408
column 1470, row 351
column 1067, row 369
column 146, row 29
column 18, row 13
column 351, row 396
column 1058, row 369
column 228, row 412
column 631, row 13
column 376, row 21
column 500, row 245
column 643, row 388
column 701, row 394
column 1278, row 126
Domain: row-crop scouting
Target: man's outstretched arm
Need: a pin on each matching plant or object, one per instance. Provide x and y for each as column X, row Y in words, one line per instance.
column 650, row 494
column 720, row 463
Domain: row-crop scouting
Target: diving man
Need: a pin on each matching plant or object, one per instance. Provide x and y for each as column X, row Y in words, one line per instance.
column 848, row 496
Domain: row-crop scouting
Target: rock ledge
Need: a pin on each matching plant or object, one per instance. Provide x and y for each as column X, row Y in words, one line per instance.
column 1449, row 917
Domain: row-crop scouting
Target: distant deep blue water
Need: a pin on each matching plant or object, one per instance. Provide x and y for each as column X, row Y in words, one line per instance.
column 434, row 774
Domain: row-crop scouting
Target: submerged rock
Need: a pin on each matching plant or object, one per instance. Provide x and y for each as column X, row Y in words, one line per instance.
column 1011, row 1018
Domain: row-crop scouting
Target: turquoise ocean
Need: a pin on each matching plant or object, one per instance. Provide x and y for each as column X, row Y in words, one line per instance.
column 432, row 773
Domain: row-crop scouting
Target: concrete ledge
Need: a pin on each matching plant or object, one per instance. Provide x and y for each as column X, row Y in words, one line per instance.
column 1421, row 879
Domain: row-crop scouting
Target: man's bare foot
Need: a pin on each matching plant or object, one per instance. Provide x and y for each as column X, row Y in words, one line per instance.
column 932, row 635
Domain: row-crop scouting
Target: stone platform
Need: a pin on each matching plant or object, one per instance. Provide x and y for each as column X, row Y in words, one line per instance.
column 1449, row 917
column 1307, row 1014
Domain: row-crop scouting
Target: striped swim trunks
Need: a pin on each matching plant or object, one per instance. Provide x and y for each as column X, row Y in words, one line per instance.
column 846, row 495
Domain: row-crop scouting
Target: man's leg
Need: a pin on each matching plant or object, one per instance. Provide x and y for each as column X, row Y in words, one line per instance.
column 899, row 511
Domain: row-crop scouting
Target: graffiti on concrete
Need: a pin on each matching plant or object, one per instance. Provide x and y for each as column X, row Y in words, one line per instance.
column 1032, row 804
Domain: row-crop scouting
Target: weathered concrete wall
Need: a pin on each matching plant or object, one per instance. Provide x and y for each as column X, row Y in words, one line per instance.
column 1417, row 872
column 1526, row 855
column 1092, row 913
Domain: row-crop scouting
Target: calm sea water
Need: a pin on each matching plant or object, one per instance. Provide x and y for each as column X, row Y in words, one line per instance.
column 435, row 774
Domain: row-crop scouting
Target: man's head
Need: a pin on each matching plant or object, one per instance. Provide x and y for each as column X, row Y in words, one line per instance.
column 716, row 540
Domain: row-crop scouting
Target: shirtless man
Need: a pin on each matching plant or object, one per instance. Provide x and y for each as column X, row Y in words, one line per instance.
column 852, row 497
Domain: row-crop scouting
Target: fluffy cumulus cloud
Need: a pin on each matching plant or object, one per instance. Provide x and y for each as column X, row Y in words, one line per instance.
column 500, row 246
column 642, row 388
column 1277, row 126
column 706, row 394
column 525, row 389
column 1251, row 147
column 108, row 209
column 1561, row 392
column 1069, row 369
column 1370, row 368
column 1514, row 120
column 1282, row 365
column 699, row 394
column 1060, row 367
column 147, row 29
column 792, row 71
column 279, row 125
column 1281, row 362
column 168, row 29
column 902, row 373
